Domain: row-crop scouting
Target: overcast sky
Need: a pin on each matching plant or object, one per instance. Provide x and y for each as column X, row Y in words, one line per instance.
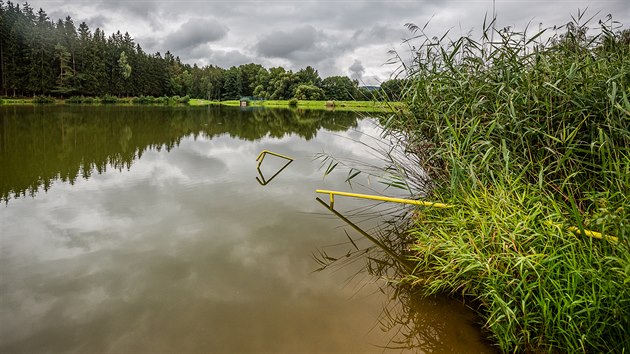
column 344, row 37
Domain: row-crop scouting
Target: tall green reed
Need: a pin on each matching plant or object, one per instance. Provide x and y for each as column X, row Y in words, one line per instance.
column 557, row 109
column 517, row 132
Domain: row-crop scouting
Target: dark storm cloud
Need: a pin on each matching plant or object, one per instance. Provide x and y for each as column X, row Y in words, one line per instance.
column 194, row 33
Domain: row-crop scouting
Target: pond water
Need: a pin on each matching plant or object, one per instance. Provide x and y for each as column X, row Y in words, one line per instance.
column 144, row 229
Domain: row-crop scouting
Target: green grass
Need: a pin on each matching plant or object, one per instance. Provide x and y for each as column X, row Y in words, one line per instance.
column 17, row 101
column 518, row 134
column 198, row 102
column 362, row 106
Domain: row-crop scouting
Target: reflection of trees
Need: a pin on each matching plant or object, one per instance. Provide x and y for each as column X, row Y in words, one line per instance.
column 41, row 144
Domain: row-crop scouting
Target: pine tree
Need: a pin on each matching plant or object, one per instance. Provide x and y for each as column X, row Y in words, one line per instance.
column 42, row 73
column 97, row 69
column 4, row 34
column 64, row 81
column 82, row 75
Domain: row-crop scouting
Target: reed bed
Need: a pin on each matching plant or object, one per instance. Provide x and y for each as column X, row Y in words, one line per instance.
column 526, row 135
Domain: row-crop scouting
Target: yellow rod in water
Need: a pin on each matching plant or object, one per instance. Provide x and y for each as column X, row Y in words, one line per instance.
column 272, row 153
column 384, row 199
column 264, row 153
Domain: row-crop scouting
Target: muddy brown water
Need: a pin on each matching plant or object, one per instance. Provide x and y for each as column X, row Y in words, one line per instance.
column 144, row 229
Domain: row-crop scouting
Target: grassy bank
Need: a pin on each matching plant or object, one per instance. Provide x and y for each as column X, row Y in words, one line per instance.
column 526, row 138
column 362, row 106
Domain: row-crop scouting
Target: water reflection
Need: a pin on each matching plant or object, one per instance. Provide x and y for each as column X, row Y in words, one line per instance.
column 39, row 145
column 153, row 235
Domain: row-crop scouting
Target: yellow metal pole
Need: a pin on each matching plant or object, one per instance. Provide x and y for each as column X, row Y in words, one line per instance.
column 592, row 234
column 384, row 199
column 588, row 233
column 331, row 194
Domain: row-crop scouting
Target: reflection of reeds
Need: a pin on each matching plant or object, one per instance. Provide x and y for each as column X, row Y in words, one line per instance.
column 410, row 319
column 435, row 324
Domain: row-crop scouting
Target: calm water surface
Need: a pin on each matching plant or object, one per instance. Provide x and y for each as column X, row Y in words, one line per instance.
column 130, row 229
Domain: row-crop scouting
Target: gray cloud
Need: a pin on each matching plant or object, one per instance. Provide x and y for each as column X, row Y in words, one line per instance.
column 150, row 44
column 59, row 14
column 281, row 44
column 380, row 33
column 97, row 21
column 326, row 35
column 141, row 9
column 194, row 33
column 224, row 58
column 356, row 70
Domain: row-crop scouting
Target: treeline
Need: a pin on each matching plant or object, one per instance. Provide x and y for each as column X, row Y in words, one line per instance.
column 41, row 57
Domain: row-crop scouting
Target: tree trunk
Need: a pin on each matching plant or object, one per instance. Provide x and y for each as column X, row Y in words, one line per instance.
column 41, row 84
column 4, row 88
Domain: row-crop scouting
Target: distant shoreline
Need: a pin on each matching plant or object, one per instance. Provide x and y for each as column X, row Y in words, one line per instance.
column 361, row 106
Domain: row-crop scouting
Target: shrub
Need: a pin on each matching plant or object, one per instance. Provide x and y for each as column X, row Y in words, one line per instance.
column 173, row 100
column 43, row 100
column 143, row 100
column 309, row 92
column 293, row 102
column 75, row 99
column 109, row 99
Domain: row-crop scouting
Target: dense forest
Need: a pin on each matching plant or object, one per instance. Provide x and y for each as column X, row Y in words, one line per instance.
column 39, row 56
